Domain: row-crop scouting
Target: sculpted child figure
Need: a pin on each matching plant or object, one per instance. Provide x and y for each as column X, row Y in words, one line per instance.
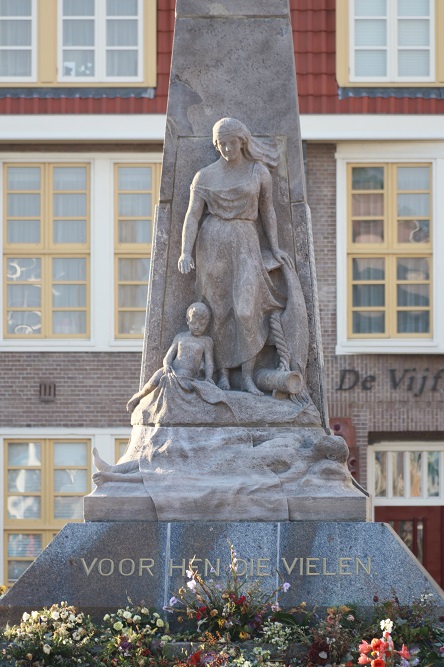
column 187, row 353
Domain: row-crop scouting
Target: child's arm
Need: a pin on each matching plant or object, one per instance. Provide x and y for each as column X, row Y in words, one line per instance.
column 171, row 354
column 208, row 359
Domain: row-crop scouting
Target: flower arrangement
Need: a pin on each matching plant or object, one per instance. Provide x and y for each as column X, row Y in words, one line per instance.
column 60, row 635
column 235, row 611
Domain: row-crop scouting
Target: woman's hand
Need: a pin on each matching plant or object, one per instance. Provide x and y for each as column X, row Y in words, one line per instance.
column 283, row 258
column 185, row 263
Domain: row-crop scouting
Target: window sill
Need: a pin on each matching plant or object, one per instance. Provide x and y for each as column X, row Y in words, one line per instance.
column 388, row 347
column 66, row 345
column 77, row 90
column 382, row 89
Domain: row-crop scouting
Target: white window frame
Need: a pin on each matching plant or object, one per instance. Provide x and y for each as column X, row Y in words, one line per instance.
column 400, row 153
column 392, row 47
column 100, row 47
column 33, row 75
column 388, row 501
column 102, row 253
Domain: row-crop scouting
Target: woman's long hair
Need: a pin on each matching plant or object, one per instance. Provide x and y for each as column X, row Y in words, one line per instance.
column 253, row 149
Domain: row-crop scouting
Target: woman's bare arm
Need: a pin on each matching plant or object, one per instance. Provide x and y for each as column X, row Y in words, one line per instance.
column 189, row 232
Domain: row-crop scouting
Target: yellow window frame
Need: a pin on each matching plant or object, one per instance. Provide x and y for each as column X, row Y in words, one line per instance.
column 47, row 52
column 46, row 250
column 120, row 447
column 343, row 68
column 132, row 250
column 389, row 250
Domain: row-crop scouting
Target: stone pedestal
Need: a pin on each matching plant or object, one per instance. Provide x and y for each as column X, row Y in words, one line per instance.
column 97, row 566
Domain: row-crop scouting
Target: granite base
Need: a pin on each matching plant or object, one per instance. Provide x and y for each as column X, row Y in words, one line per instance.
column 99, row 566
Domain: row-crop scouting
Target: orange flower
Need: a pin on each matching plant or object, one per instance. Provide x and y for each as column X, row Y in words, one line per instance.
column 378, row 645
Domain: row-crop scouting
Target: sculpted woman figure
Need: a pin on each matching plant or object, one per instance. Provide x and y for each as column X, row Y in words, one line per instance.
column 230, row 196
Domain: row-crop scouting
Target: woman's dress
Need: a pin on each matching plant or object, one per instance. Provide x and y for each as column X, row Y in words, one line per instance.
column 230, row 273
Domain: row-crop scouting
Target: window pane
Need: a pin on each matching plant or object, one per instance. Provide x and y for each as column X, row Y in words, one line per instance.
column 23, row 268
column 414, row 204
column 24, row 296
column 68, row 508
column 121, row 32
column 368, row 322
column 72, row 481
column 23, row 231
column 69, row 178
column 15, row 7
column 24, row 507
column 70, row 454
column 69, row 205
column 24, row 454
column 121, row 7
column 78, row 7
column 68, row 322
column 415, row 474
column 413, row 268
column 23, row 178
column 413, row 7
column 15, row 63
column 371, row 32
column 369, row 204
column 380, row 474
column 413, row 33
column 406, row 533
column 24, row 323
column 23, row 205
column 78, row 63
column 414, row 63
column 138, row 205
column 368, row 231
column 16, row 569
column 131, row 323
column 15, row 33
column 78, row 32
column 69, row 296
column 370, row 7
column 398, row 474
column 24, row 545
column 413, row 178
column 414, row 231
column 134, row 270
column 368, row 269
column 69, row 231
column 134, row 178
column 135, row 231
column 413, row 295
column 122, row 63
column 432, row 474
column 368, row 295
column 24, row 480
column 413, row 322
column 132, row 296
column 368, row 178
column 371, row 63
column 65, row 269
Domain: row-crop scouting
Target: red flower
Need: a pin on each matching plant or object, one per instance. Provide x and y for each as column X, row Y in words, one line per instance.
column 404, row 652
column 241, row 600
column 363, row 660
column 379, row 662
column 194, row 658
column 198, row 615
column 378, row 645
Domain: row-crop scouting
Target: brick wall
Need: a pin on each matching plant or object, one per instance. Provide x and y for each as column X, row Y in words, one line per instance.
column 92, row 388
column 404, row 397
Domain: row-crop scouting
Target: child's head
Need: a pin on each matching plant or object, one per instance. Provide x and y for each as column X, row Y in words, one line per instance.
column 198, row 318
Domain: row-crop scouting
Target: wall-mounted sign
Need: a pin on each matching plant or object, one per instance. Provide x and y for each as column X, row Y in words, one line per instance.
column 406, row 379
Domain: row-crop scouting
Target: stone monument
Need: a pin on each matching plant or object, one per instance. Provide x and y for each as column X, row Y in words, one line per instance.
column 229, row 427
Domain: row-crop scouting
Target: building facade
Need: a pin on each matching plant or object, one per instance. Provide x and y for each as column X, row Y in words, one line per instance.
column 83, row 90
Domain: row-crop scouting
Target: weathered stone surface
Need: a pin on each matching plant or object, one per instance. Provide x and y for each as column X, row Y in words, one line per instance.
column 231, row 474
column 199, row 8
column 98, row 566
